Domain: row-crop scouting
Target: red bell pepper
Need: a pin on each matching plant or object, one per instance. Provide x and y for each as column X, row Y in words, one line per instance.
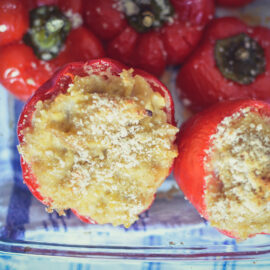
column 196, row 137
column 232, row 62
column 29, row 54
column 149, row 34
column 75, row 6
column 233, row 3
column 59, row 83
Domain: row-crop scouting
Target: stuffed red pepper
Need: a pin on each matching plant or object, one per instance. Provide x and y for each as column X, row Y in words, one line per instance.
column 223, row 166
column 232, row 62
column 98, row 138
column 149, row 34
column 37, row 37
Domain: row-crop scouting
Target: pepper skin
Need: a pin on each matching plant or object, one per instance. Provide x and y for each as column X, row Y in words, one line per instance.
column 59, row 83
column 233, row 3
column 13, row 21
column 21, row 71
column 152, row 48
column 200, row 82
column 194, row 140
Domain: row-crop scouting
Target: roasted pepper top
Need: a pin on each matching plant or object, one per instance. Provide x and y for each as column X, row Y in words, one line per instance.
column 232, row 62
column 149, row 34
column 37, row 39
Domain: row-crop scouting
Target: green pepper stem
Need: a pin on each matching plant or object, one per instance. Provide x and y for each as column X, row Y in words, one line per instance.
column 48, row 30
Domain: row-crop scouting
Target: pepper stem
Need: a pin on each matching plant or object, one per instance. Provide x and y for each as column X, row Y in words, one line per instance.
column 47, row 33
column 240, row 58
column 148, row 19
column 242, row 54
column 54, row 25
column 144, row 15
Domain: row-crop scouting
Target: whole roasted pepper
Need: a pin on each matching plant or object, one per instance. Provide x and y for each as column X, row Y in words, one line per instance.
column 149, row 34
column 232, row 62
column 38, row 37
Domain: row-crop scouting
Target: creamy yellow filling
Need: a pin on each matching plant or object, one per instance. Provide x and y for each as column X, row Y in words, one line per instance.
column 240, row 159
column 103, row 148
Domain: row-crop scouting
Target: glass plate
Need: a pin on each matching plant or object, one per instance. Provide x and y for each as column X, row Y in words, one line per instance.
column 170, row 230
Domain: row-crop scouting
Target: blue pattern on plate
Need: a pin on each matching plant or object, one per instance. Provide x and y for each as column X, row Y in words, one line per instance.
column 22, row 217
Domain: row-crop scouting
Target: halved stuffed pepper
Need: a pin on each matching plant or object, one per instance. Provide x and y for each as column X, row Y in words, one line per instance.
column 98, row 138
column 223, row 166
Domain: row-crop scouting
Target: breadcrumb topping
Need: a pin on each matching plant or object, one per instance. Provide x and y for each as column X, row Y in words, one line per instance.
column 238, row 183
column 103, row 148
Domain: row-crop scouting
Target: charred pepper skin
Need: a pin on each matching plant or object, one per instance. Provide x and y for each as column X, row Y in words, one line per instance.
column 59, row 83
column 144, row 35
column 201, row 81
column 193, row 141
column 34, row 47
